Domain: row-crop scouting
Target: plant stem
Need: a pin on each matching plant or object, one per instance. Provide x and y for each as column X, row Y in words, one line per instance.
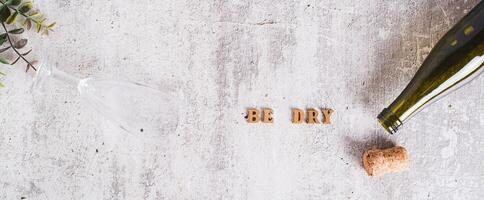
column 15, row 49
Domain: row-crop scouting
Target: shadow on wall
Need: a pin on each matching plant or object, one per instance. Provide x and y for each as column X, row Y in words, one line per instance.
column 393, row 55
column 398, row 56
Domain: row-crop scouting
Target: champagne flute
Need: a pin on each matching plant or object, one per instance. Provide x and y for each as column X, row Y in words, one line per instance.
column 136, row 108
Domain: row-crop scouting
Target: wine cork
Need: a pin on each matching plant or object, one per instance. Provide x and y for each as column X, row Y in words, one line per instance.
column 378, row 162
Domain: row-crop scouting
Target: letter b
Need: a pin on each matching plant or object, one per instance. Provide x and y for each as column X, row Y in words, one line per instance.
column 253, row 115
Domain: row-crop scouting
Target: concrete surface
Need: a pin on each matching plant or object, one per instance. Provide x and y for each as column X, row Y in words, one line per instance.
column 221, row 57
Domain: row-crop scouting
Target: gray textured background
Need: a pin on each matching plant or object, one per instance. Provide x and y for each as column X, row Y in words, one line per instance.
column 221, row 57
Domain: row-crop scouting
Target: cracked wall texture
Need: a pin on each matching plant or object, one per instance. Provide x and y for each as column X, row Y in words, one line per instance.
column 221, row 57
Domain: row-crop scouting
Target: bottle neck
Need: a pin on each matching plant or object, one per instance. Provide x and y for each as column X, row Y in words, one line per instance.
column 389, row 120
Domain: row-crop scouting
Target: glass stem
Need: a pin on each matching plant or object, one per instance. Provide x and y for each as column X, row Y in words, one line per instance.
column 67, row 78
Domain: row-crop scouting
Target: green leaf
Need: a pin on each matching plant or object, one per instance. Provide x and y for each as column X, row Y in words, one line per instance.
column 4, row 13
column 16, row 31
column 2, row 85
column 20, row 44
column 16, row 2
column 51, row 25
column 13, row 2
column 3, row 38
column 25, row 7
column 34, row 13
column 4, row 61
column 4, row 49
column 27, row 24
column 12, row 19
column 27, row 53
column 38, row 27
column 16, row 60
column 2, row 74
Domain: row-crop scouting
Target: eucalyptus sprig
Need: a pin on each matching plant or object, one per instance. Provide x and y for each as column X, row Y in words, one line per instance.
column 11, row 12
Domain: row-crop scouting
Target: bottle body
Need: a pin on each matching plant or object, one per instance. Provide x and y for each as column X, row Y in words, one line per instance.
column 456, row 59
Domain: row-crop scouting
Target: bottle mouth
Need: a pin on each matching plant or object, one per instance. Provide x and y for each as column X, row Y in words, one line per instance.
column 389, row 121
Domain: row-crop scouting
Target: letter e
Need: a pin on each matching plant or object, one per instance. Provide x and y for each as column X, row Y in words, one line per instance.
column 267, row 115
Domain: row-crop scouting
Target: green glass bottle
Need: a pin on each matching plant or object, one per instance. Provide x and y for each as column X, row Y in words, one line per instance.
column 456, row 59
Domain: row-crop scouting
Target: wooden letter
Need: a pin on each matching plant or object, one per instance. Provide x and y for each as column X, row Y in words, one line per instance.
column 327, row 115
column 253, row 115
column 267, row 115
column 297, row 116
column 312, row 116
